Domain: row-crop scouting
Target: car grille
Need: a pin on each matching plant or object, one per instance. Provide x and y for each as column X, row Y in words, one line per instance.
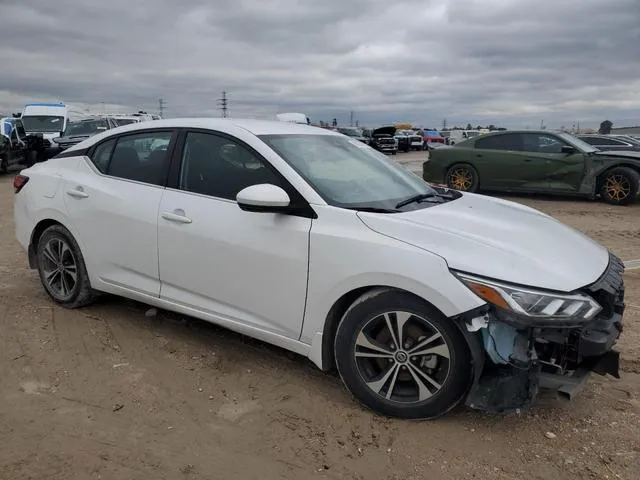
column 608, row 290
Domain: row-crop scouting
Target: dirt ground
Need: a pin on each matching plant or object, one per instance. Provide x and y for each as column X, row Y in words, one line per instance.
column 107, row 392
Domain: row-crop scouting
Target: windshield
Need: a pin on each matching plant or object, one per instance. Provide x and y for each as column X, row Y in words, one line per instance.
column 576, row 142
column 42, row 123
column 348, row 173
column 472, row 134
column 350, row 132
column 86, row 127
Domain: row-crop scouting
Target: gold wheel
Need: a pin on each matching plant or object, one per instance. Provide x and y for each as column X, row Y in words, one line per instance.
column 460, row 178
column 618, row 187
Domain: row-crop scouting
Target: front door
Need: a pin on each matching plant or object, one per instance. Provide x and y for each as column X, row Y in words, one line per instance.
column 548, row 167
column 236, row 267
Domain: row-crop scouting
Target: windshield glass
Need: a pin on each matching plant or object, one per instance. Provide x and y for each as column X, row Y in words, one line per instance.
column 42, row 123
column 350, row 132
column 576, row 142
column 85, row 127
column 348, row 173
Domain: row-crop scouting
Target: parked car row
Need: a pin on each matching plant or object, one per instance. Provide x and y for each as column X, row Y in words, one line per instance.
column 540, row 162
column 45, row 129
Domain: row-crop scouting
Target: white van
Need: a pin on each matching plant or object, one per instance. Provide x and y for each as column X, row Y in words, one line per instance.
column 293, row 118
column 47, row 119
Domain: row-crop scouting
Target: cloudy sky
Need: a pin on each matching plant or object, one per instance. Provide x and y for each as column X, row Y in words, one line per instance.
column 511, row 63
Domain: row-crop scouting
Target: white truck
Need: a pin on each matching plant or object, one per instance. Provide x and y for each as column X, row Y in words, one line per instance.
column 48, row 120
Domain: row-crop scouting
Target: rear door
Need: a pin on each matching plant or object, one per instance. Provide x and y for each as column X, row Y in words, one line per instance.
column 500, row 161
column 113, row 199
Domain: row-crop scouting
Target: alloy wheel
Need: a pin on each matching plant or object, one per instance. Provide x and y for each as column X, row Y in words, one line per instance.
column 59, row 268
column 461, row 179
column 618, row 187
column 402, row 357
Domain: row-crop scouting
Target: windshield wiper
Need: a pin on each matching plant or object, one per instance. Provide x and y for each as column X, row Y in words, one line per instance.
column 416, row 198
column 373, row 209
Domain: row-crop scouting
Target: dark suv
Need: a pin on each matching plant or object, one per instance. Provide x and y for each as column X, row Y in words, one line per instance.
column 80, row 130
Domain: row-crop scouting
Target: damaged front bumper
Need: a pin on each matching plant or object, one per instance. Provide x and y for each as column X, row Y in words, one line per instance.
column 514, row 360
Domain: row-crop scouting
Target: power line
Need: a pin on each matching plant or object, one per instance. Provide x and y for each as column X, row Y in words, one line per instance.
column 223, row 103
column 161, row 107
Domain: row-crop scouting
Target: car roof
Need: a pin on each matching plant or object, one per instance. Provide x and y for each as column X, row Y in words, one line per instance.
column 256, row 127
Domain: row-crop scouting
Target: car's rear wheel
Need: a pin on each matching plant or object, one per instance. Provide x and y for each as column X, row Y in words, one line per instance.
column 401, row 357
column 62, row 269
column 463, row 178
column 619, row 186
column 4, row 164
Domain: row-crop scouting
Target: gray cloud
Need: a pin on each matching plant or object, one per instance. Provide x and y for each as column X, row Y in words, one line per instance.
column 483, row 61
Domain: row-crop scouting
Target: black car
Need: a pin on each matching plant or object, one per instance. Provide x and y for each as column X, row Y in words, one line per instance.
column 382, row 139
column 80, row 130
column 19, row 148
column 353, row 132
column 611, row 142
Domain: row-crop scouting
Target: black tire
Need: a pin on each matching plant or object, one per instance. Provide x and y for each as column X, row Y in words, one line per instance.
column 619, row 186
column 394, row 153
column 406, row 399
column 462, row 177
column 57, row 246
column 4, row 164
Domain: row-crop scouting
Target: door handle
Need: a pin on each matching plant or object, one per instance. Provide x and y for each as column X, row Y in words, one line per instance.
column 77, row 192
column 177, row 216
column 527, row 159
column 479, row 155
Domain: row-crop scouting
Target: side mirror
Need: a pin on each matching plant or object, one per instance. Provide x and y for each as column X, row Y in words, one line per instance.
column 567, row 149
column 264, row 197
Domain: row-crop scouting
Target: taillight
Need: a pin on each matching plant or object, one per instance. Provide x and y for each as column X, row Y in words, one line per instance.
column 19, row 181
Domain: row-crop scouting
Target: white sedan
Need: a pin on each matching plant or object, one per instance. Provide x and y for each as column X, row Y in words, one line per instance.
column 422, row 298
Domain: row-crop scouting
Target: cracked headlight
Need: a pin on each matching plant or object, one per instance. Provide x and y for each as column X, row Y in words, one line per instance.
column 536, row 304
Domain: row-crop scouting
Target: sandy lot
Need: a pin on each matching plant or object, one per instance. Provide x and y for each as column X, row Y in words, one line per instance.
column 109, row 393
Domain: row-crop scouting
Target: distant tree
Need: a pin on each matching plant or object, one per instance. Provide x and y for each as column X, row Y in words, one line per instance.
column 334, row 122
column 469, row 126
column 478, row 127
column 492, row 127
column 605, row 127
column 17, row 115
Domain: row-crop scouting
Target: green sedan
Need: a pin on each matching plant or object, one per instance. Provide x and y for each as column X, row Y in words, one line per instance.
column 536, row 162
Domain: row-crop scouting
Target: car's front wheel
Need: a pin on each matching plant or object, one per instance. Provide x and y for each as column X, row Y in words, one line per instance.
column 401, row 357
column 619, row 186
column 61, row 268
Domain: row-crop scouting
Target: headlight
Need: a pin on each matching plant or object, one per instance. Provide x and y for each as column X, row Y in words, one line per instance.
column 533, row 303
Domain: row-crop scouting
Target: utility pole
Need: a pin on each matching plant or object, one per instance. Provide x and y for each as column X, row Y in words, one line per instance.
column 161, row 106
column 444, row 124
column 223, row 103
column 351, row 119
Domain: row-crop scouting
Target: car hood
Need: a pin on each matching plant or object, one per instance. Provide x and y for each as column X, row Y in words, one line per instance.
column 619, row 153
column 384, row 131
column 498, row 239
